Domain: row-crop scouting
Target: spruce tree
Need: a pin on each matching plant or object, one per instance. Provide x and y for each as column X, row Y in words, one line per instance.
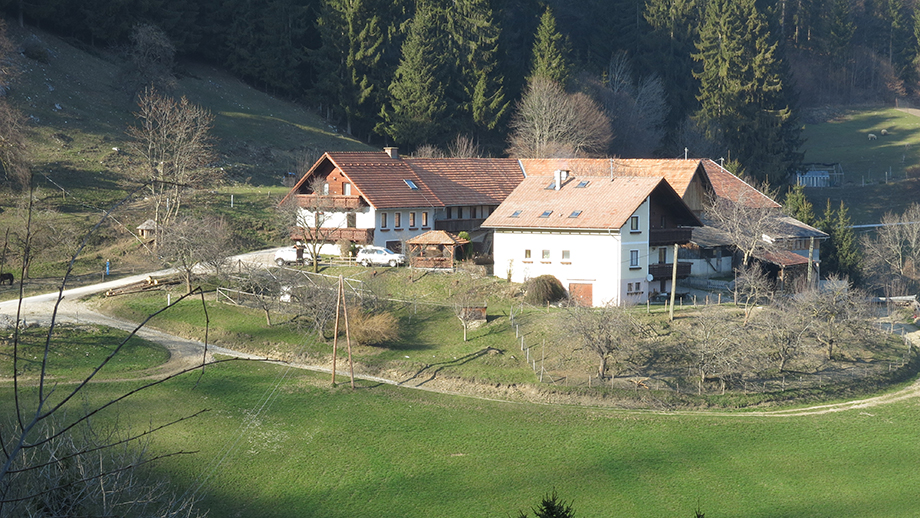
column 743, row 100
column 840, row 252
column 351, row 52
column 550, row 52
column 797, row 205
column 417, row 107
column 668, row 51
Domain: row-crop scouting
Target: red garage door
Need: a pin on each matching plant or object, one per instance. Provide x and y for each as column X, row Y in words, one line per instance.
column 582, row 293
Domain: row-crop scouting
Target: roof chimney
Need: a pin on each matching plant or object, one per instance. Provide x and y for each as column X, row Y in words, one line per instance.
column 557, row 179
column 392, row 152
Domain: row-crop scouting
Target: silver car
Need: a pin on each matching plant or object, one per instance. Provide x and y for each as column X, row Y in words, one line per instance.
column 379, row 256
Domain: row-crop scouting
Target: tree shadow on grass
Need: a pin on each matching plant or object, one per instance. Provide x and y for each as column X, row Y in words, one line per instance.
column 430, row 372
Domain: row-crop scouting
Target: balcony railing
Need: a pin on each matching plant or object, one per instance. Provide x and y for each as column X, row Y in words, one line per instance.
column 330, row 202
column 458, row 225
column 669, row 236
column 361, row 236
column 665, row 270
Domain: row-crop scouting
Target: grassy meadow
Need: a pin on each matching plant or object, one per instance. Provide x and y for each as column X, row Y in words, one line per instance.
column 842, row 136
column 279, row 442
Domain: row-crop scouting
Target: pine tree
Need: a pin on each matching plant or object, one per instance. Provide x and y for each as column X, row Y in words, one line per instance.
column 352, row 48
column 668, row 51
column 477, row 86
column 550, row 52
column 797, row 205
column 743, row 101
column 416, row 111
column 840, row 253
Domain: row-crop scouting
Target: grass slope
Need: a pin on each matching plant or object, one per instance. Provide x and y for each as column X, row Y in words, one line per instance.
column 843, row 137
column 386, row 451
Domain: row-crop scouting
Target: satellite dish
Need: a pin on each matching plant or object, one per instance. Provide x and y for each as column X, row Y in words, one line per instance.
column 649, row 277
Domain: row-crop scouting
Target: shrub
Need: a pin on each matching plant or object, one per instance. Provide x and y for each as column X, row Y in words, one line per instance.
column 35, row 50
column 373, row 329
column 346, row 248
column 542, row 290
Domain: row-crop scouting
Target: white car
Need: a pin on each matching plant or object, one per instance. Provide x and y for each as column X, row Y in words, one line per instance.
column 379, row 256
column 293, row 255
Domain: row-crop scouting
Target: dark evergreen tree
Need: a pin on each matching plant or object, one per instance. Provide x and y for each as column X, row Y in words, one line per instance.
column 552, row 507
column 796, row 204
column 416, row 111
column 352, row 49
column 550, row 58
column 840, row 252
column 743, row 100
column 668, row 52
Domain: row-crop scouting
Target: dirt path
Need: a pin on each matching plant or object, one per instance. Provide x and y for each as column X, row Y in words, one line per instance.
column 185, row 354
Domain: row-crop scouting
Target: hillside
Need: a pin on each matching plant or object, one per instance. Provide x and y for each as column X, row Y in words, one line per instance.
column 78, row 110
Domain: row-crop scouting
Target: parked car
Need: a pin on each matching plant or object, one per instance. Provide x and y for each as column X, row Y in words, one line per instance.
column 379, row 256
column 293, row 255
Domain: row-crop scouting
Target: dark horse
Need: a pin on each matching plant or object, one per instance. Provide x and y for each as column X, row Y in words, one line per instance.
column 6, row 277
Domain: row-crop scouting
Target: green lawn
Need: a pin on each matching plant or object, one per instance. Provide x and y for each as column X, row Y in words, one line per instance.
column 844, row 139
column 385, row 451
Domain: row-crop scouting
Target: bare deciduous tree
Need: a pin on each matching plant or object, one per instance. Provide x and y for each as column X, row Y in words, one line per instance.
column 752, row 287
column 315, row 218
column 782, row 331
column 548, row 122
column 747, row 226
column 14, row 164
column 716, row 346
column 892, row 256
column 837, row 313
column 190, row 242
column 611, row 332
column 152, row 59
column 174, row 142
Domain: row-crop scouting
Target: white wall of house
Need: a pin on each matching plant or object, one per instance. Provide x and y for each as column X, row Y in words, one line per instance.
column 600, row 258
column 398, row 224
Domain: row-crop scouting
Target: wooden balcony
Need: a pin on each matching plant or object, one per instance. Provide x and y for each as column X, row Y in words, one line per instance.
column 361, row 236
column 458, row 225
column 665, row 270
column 669, row 236
column 330, row 203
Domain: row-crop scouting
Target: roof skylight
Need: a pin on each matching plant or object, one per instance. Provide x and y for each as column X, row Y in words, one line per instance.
column 546, row 213
column 515, row 214
column 582, row 184
column 575, row 214
column 411, row 185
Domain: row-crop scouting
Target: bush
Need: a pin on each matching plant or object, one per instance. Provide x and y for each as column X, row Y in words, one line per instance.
column 373, row 329
column 543, row 290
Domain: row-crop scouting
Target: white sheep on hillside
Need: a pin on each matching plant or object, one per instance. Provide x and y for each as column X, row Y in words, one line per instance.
column 884, row 132
column 872, row 136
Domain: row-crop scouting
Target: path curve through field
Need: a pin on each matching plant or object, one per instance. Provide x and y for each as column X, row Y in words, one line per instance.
column 185, row 353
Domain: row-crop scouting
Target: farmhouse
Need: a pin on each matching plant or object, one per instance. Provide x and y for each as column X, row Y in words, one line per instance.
column 382, row 199
column 607, row 239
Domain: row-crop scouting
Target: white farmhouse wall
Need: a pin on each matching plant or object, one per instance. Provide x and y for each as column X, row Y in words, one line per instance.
column 633, row 283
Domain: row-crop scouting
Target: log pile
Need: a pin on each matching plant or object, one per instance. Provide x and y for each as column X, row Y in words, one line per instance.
column 148, row 284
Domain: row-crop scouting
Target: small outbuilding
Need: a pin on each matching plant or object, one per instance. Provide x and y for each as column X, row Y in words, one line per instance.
column 434, row 249
column 147, row 229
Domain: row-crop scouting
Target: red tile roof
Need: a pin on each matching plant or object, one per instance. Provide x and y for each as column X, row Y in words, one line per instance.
column 678, row 172
column 603, row 203
column 382, row 180
column 727, row 185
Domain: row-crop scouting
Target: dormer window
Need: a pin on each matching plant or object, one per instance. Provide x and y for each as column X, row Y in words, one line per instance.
column 411, row 185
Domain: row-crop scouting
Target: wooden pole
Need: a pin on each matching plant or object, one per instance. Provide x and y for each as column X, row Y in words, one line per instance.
column 673, row 283
column 351, row 364
column 811, row 250
column 335, row 335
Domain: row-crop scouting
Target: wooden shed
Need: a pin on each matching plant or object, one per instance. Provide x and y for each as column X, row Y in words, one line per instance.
column 147, row 229
column 434, row 249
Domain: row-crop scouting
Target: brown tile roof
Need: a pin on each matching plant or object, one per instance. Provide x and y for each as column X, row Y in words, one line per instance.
column 437, row 237
column 727, row 185
column 601, row 204
column 678, row 172
column 469, row 181
column 783, row 258
column 381, row 180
